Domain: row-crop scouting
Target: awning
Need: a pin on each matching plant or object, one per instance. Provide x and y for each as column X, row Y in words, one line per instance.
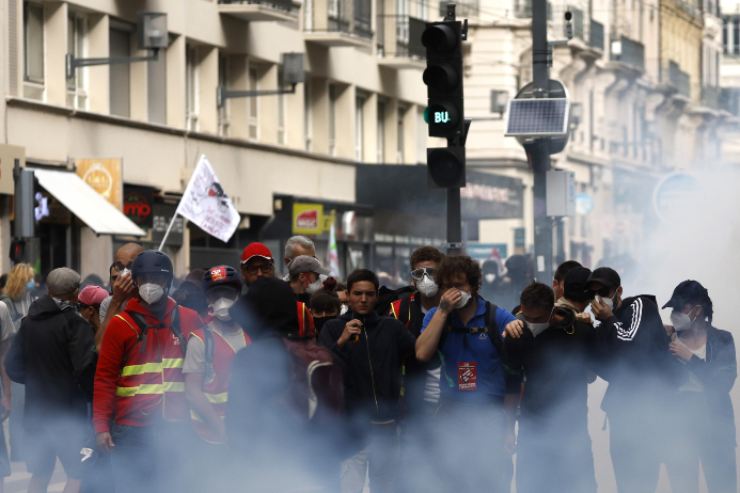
column 87, row 204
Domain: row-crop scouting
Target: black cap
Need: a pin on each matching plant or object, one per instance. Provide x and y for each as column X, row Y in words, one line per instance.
column 605, row 276
column 687, row 292
column 576, row 284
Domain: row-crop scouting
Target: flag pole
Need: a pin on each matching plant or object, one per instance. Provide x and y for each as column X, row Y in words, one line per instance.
column 167, row 233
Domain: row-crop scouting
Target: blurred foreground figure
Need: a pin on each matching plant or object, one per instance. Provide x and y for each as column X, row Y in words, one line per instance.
column 140, row 414
column 702, row 419
column 476, row 420
column 283, row 400
column 554, row 345
column 641, row 375
column 53, row 355
column 370, row 350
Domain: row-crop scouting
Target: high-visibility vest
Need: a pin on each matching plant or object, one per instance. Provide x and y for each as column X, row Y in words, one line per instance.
column 401, row 309
column 152, row 372
column 306, row 328
column 218, row 355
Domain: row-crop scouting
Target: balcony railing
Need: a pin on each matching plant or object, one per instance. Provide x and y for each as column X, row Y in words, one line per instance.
column 352, row 17
column 596, row 35
column 711, row 96
column 285, row 5
column 260, row 10
column 399, row 36
column 679, row 79
column 629, row 51
column 463, row 8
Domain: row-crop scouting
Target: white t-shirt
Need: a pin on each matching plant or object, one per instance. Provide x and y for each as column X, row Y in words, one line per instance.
column 7, row 328
column 195, row 357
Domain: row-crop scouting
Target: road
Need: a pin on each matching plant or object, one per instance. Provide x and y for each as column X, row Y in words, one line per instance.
column 19, row 477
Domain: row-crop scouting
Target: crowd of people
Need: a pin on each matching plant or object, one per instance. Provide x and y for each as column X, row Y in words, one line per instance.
column 238, row 380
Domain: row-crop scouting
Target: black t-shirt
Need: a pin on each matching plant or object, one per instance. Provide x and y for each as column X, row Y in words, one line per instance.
column 389, row 344
column 557, row 367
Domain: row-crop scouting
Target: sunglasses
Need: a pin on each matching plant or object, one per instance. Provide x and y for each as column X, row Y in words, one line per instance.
column 418, row 274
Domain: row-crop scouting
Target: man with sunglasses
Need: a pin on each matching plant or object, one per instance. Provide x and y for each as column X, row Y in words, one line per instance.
column 553, row 345
column 256, row 262
column 121, row 285
column 641, row 375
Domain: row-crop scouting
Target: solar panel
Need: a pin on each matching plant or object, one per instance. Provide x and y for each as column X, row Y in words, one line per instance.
column 537, row 117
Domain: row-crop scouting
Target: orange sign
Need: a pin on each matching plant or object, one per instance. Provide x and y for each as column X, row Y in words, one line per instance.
column 105, row 176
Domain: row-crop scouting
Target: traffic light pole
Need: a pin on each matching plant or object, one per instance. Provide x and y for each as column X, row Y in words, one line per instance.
column 538, row 152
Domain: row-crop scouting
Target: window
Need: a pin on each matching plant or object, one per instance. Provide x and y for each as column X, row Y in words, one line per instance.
column 120, row 75
column 157, row 88
column 423, row 9
column 33, row 42
column 191, row 88
column 76, row 85
column 252, row 117
column 223, row 79
column 333, row 96
column 307, row 114
column 402, row 21
column 381, row 131
column 360, row 126
column 400, row 128
column 281, row 111
column 736, row 35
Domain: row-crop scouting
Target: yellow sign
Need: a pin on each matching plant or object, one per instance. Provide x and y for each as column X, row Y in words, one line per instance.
column 8, row 155
column 308, row 219
column 105, row 176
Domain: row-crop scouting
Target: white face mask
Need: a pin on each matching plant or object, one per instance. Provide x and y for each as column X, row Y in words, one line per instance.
column 314, row 286
column 464, row 300
column 490, row 278
column 344, row 309
column 427, row 287
column 220, row 308
column 607, row 301
column 151, row 293
column 681, row 321
column 538, row 328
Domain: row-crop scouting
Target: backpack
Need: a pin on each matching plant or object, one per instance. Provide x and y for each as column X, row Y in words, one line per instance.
column 15, row 315
column 144, row 329
column 316, row 387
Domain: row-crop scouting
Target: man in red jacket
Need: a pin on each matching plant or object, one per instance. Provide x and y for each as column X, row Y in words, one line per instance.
column 139, row 404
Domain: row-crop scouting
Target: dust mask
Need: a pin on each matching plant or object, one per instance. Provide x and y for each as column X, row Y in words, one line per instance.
column 538, row 328
column 427, row 287
column 607, row 301
column 464, row 300
column 220, row 308
column 314, row 286
column 151, row 293
column 681, row 321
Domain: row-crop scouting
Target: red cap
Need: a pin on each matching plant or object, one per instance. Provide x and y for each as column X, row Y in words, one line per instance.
column 256, row 249
column 92, row 295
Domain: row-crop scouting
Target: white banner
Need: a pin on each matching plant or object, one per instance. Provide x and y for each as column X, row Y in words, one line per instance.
column 205, row 203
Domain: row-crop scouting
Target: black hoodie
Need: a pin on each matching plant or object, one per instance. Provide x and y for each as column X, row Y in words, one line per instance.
column 54, row 355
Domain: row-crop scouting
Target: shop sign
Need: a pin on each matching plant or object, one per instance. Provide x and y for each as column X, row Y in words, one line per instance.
column 104, row 176
column 8, row 155
column 137, row 206
column 308, row 219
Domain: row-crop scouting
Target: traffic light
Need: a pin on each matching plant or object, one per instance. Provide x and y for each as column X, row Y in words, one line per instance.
column 446, row 166
column 444, row 78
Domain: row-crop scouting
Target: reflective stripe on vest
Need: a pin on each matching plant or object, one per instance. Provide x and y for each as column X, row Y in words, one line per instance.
column 167, row 363
column 150, row 389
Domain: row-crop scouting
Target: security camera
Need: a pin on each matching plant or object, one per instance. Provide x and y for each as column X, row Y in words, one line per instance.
column 568, row 28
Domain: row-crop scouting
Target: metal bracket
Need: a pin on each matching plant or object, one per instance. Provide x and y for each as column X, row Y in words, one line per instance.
column 72, row 63
column 222, row 94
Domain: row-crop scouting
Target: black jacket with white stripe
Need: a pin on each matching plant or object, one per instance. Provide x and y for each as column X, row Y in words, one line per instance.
column 635, row 357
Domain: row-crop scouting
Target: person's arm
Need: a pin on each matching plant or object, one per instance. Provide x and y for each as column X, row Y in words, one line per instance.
column 110, row 360
column 81, row 349
column 338, row 344
column 721, row 371
column 194, row 369
column 406, row 342
column 428, row 341
column 123, row 289
column 13, row 364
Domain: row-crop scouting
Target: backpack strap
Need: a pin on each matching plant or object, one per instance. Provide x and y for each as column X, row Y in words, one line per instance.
column 494, row 334
column 176, row 329
column 143, row 329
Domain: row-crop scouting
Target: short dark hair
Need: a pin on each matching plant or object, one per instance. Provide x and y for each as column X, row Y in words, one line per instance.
column 564, row 268
column 538, row 295
column 425, row 254
column 452, row 266
column 325, row 301
column 360, row 275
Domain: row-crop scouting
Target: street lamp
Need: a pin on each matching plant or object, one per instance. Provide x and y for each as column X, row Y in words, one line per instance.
column 293, row 74
column 152, row 28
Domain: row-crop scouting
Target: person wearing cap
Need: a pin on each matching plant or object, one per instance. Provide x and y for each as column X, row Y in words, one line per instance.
column 553, row 345
column 641, row 373
column 702, row 418
column 256, row 262
column 88, row 304
column 53, row 354
column 210, row 353
column 140, row 413
column 305, row 275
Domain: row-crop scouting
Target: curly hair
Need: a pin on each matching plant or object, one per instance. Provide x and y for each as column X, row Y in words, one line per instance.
column 452, row 266
column 424, row 254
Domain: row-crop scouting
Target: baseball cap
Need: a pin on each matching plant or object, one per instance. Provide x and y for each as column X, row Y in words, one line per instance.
column 687, row 292
column 304, row 263
column 576, row 284
column 62, row 281
column 92, row 295
column 256, row 249
column 605, row 276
